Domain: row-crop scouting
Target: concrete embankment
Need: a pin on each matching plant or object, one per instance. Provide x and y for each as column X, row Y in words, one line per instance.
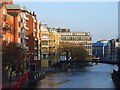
column 32, row 81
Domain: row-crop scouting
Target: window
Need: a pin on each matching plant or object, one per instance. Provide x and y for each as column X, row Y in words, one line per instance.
column 44, row 50
column 21, row 20
column 19, row 24
column 19, row 35
column 4, row 42
column 44, row 43
column 44, row 56
column 4, row 17
column 80, row 38
column 90, row 38
column 73, row 38
column 9, row 28
column 33, row 34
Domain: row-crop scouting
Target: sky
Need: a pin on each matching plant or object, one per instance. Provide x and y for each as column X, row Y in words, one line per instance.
column 99, row 18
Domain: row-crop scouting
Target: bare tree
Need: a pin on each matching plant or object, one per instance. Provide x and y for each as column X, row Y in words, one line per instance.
column 12, row 56
column 75, row 51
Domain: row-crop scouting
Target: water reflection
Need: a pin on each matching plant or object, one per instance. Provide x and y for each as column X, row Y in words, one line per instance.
column 97, row 76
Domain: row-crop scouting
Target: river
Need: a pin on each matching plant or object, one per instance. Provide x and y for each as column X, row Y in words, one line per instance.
column 96, row 76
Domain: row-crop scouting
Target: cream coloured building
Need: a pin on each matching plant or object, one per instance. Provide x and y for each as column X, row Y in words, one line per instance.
column 84, row 38
column 49, row 43
column 53, row 45
column 44, row 35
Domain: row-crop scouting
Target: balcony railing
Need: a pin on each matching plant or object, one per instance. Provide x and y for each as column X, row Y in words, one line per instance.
column 45, row 46
column 7, row 27
column 23, row 36
column 45, row 51
column 26, row 17
column 24, row 25
column 35, row 47
column 26, row 37
column 27, row 49
column 52, row 50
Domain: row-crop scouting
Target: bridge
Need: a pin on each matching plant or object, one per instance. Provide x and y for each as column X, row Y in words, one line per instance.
column 71, row 62
column 94, row 61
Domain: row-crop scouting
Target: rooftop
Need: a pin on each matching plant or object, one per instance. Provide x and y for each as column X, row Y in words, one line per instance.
column 98, row 44
column 18, row 7
column 13, row 13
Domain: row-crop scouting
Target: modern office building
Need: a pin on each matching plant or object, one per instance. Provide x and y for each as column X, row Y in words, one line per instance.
column 113, row 44
column 83, row 38
column 100, row 49
column 106, row 49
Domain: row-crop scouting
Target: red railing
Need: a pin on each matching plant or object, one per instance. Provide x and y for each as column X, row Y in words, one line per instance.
column 20, row 82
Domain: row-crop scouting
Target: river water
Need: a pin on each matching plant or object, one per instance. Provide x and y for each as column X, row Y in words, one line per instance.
column 96, row 76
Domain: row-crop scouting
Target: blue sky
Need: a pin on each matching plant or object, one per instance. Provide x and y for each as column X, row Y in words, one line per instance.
column 99, row 18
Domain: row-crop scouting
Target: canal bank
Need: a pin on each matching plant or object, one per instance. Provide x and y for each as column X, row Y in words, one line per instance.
column 97, row 76
column 42, row 73
column 31, row 83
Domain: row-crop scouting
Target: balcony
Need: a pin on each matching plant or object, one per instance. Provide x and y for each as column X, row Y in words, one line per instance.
column 25, row 17
column 44, row 39
column 4, row 17
column 52, row 50
column 24, row 46
column 47, row 46
column 38, row 35
column 27, row 38
column 39, row 47
column 23, row 31
column 38, row 56
column 34, row 21
column 35, row 48
column 35, row 57
column 27, row 49
column 23, row 21
column 45, row 51
column 24, row 25
column 26, row 28
column 3, row 24
column 34, row 30
column 35, row 39
column 23, row 36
